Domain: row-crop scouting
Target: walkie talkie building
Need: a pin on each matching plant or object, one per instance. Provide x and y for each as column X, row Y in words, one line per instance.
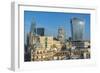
column 77, row 27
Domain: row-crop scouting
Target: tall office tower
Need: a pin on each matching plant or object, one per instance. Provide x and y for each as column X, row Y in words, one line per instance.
column 77, row 28
column 40, row 31
column 33, row 27
column 61, row 34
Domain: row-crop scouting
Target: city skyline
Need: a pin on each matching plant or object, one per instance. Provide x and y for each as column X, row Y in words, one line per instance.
column 56, row 36
column 51, row 21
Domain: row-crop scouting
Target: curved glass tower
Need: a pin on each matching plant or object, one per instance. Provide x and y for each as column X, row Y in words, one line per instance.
column 77, row 28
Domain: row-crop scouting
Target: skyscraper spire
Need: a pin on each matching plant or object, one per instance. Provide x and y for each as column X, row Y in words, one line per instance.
column 33, row 27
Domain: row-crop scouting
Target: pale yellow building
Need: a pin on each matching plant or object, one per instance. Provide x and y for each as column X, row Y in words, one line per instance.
column 46, row 41
column 57, row 43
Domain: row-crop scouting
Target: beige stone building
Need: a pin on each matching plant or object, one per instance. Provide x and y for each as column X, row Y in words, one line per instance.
column 46, row 41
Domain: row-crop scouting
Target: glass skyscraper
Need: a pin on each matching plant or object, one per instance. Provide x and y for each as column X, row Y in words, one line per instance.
column 40, row 31
column 33, row 27
column 77, row 28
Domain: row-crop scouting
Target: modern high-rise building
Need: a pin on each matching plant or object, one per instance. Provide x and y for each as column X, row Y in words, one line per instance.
column 61, row 34
column 33, row 27
column 40, row 31
column 77, row 28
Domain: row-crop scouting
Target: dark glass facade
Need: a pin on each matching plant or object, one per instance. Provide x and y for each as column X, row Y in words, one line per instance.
column 40, row 31
column 77, row 26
